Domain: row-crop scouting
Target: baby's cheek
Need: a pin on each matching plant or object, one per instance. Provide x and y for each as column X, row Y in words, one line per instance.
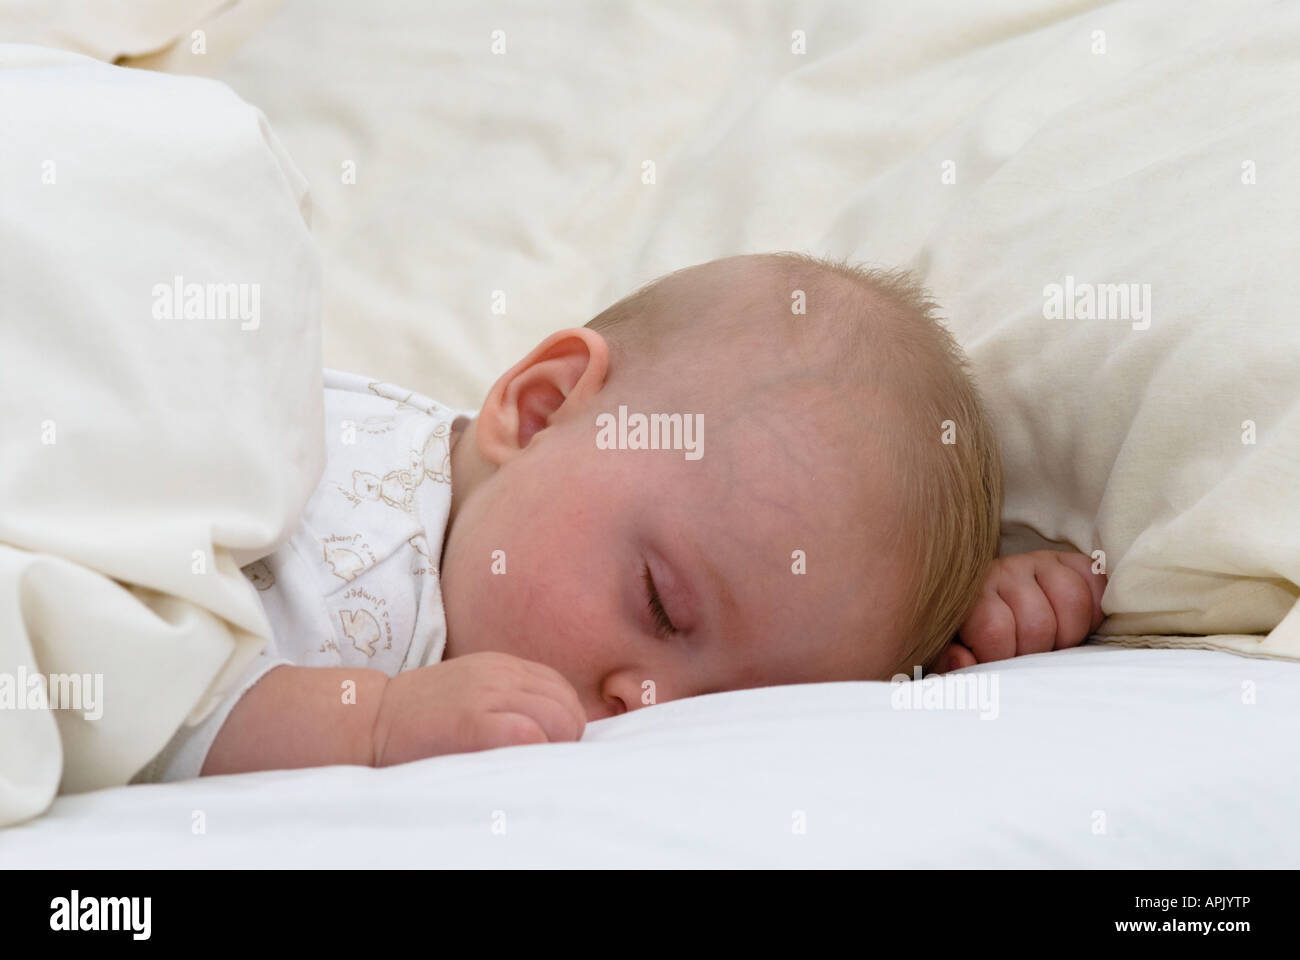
column 541, row 563
column 545, row 611
column 509, row 600
column 562, row 612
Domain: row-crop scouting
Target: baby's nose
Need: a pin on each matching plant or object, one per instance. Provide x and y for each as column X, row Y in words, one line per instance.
column 623, row 690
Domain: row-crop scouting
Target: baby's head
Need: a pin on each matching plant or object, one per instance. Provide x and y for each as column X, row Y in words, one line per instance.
column 830, row 521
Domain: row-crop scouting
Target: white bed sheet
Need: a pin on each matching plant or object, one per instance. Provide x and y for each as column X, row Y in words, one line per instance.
column 1163, row 743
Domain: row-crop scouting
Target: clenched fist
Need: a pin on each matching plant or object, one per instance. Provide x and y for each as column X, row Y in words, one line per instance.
column 475, row 702
column 1030, row 603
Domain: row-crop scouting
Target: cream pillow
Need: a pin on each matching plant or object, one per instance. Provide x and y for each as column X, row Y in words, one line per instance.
column 1125, row 284
column 180, row 36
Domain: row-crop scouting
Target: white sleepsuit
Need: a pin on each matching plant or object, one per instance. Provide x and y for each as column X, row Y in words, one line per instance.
column 356, row 584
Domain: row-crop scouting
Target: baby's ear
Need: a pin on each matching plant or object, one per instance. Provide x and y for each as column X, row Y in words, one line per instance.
column 559, row 375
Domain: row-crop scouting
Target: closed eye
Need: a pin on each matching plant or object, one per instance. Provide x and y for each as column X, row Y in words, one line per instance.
column 663, row 626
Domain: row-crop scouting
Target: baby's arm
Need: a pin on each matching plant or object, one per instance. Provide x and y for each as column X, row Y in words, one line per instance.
column 298, row 717
column 309, row 717
column 1030, row 603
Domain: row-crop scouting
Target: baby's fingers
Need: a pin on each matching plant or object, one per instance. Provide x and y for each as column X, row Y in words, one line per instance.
column 989, row 633
column 557, row 723
column 1071, row 600
column 1034, row 617
column 954, row 657
column 1082, row 565
column 536, row 678
column 492, row 730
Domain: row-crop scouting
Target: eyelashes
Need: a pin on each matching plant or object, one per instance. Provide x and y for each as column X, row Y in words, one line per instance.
column 663, row 626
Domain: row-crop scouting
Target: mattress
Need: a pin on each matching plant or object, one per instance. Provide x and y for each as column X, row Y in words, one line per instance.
column 1097, row 756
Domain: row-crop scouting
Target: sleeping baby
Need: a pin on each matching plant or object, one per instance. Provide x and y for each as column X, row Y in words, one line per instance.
column 762, row 470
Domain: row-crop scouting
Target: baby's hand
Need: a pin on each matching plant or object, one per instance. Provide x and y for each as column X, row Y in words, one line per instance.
column 475, row 702
column 1030, row 603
